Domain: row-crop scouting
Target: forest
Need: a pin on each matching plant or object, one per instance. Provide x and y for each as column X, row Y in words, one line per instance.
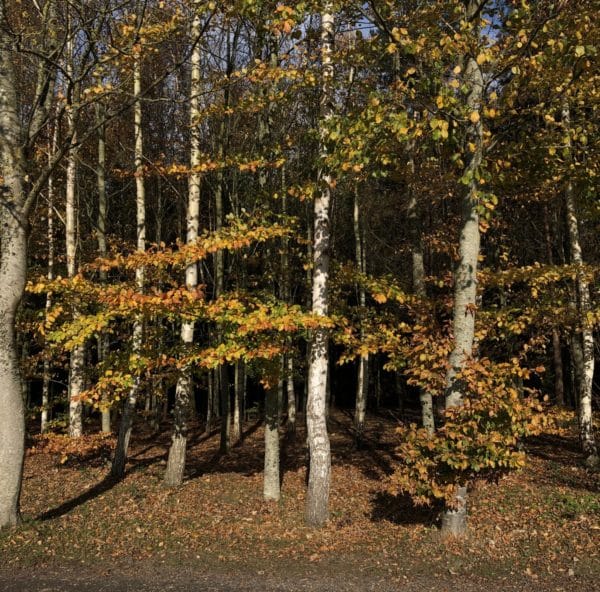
column 338, row 255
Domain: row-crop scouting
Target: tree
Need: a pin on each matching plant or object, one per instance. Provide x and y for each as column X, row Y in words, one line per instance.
column 317, row 499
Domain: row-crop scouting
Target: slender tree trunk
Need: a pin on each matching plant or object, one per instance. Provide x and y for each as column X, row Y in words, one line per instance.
column 103, row 343
column 209, row 401
column 362, row 382
column 454, row 520
column 317, row 498
column 586, row 338
column 77, row 358
column 418, row 277
column 46, row 378
column 184, row 389
column 125, row 427
column 239, row 395
column 271, row 483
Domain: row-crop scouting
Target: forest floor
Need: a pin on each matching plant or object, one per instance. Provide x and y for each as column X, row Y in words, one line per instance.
column 535, row 530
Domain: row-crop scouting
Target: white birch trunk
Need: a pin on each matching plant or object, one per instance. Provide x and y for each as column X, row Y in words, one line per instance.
column 317, row 498
column 271, row 483
column 125, row 427
column 363, row 362
column 238, row 402
column 77, row 361
column 102, row 248
column 46, row 377
column 184, row 389
column 586, row 338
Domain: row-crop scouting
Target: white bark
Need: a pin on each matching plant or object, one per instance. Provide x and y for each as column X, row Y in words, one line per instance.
column 271, row 483
column 103, row 344
column 125, row 427
column 586, row 338
column 76, row 363
column 13, row 269
column 46, row 405
column 184, row 389
column 363, row 362
column 317, row 498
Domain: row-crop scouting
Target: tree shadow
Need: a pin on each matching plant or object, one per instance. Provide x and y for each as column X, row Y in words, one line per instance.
column 102, row 487
column 400, row 509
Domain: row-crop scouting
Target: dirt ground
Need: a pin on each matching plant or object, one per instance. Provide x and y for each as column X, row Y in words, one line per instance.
column 538, row 530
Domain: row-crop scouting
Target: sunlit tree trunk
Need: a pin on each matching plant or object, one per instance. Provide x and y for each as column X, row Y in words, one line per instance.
column 19, row 192
column 586, row 338
column 103, row 343
column 184, row 388
column 362, row 382
column 125, row 427
column 238, row 402
column 271, row 484
column 46, row 377
column 13, row 269
column 77, row 358
column 454, row 520
column 317, row 498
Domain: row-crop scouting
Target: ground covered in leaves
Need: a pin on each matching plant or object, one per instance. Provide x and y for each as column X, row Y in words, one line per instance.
column 535, row 530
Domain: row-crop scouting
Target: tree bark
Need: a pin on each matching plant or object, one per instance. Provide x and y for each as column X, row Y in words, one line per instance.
column 46, row 378
column 362, row 382
column 77, row 357
column 586, row 338
column 271, row 482
column 125, row 427
column 103, row 343
column 454, row 521
column 15, row 204
column 184, row 389
column 418, row 278
column 317, row 498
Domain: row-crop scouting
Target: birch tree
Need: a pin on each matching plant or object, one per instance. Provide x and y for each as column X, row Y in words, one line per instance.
column 184, row 389
column 120, row 458
column 319, row 477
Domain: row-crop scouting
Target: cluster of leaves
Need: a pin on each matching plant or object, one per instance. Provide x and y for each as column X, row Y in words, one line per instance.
column 479, row 439
column 254, row 327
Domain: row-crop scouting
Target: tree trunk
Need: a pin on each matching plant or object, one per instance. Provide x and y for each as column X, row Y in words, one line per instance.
column 454, row 521
column 317, row 498
column 46, row 377
column 184, row 389
column 418, row 278
column 238, row 405
column 271, row 483
column 291, row 397
column 12, row 418
column 14, row 210
column 125, row 427
column 586, row 339
column 103, row 343
column 362, row 382
column 77, row 363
